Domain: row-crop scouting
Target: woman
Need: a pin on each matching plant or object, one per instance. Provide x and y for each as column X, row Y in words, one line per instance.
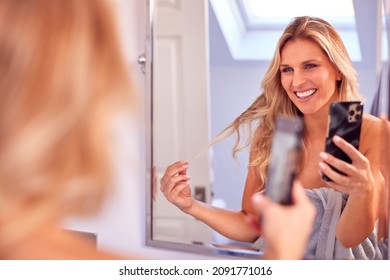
column 63, row 83
column 310, row 69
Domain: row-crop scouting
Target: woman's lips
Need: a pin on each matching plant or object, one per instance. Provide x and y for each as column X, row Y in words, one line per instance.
column 305, row 94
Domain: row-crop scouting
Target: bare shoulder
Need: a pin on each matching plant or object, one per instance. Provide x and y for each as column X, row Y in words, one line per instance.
column 57, row 245
column 371, row 125
column 371, row 134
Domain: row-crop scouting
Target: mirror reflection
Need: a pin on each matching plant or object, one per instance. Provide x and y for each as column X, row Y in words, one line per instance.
column 204, row 78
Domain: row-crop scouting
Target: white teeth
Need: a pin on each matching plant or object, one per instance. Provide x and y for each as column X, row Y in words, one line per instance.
column 305, row 93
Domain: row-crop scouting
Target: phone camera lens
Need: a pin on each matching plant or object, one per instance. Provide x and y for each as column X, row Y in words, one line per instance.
column 351, row 113
column 358, row 108
column 357, row 116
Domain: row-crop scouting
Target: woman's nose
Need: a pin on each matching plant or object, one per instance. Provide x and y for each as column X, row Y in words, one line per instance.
column 298, row 79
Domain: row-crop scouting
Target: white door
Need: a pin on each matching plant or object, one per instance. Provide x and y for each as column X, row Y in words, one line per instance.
column 181, row 128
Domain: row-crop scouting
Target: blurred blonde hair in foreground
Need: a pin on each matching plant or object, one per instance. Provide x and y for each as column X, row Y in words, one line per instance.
column 62, row 82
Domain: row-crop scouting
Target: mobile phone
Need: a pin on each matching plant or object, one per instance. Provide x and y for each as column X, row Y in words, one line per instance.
column 285, row 150
column 345, row 120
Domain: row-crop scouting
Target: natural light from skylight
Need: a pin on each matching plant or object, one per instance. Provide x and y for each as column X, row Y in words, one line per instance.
column 251, row 28
column 275, row 10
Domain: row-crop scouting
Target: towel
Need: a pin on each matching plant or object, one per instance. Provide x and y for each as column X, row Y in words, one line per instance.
column 323, row 244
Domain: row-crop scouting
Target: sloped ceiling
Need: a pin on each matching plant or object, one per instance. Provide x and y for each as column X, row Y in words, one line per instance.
column 364, row 43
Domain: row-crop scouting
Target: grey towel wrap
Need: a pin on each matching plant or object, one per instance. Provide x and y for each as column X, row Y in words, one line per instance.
column 323, row 244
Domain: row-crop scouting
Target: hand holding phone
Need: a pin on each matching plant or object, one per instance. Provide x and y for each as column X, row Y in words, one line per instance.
column 285, row 150
column 345, row 120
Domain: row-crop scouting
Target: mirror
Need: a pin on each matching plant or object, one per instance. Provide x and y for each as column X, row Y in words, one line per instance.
column 200, row 78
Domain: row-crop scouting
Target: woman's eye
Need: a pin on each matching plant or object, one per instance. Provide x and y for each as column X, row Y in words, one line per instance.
column 310, row 66
column 286, row 69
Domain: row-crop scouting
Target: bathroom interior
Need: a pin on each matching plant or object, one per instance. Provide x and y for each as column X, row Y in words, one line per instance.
column 198, row 64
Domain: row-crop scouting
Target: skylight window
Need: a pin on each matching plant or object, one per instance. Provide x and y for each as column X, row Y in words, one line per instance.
column 280, row 12
column 252, row 28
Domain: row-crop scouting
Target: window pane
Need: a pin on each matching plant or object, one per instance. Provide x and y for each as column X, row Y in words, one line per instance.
column 276, row 10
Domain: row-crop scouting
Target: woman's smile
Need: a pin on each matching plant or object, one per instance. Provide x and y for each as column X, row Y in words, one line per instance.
column 304, row 95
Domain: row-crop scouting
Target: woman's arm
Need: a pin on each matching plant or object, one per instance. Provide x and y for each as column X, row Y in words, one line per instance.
column 362, row 181
column 232, row 224
column 235, row 225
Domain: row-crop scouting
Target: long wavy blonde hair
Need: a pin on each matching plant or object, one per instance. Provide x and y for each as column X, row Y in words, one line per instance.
column 258, row 120
column 62, row 81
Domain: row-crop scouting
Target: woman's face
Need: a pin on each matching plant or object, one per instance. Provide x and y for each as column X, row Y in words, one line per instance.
column 308, row 76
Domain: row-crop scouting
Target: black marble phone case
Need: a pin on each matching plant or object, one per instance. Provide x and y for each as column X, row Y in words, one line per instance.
column 345, row 120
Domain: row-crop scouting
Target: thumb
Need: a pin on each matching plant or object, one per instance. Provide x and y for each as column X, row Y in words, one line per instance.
column 260, row 203
column 298, row 194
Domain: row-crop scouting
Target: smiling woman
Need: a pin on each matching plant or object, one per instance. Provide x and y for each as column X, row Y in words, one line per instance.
column 311, row 58
column 307, row 71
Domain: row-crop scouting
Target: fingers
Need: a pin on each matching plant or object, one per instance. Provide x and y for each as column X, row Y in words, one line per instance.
column 280, row 222
column 356, row 157
column 336, row 177
column 177, row 168
column 298, row 193
column 173, row 182
column 261, row 203
column 352, row 177
column 175, row 185
column 180, row 189
column 339, row 164
column 359, row 162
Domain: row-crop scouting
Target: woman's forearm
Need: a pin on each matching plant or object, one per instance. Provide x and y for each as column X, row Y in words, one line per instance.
column 232, row 224
column 357, row 220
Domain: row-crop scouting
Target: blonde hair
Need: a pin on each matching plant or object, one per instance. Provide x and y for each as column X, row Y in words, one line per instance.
column 273, row 101
column 62, row 80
